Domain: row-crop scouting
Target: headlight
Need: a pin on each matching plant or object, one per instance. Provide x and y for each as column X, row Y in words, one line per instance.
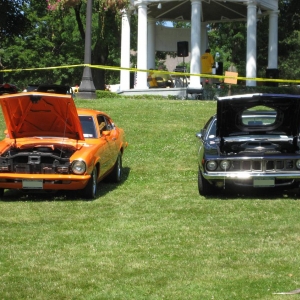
column 225, row 165
column 211, row 165
column 298, row 164
column 78, row 167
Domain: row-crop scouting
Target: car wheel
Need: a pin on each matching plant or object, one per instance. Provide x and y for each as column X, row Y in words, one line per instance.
column 1, row 193
column 116, row 174
column 90, row 191
column 205, row 188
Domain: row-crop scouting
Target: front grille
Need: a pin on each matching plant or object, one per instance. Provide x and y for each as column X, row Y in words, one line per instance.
column 255, row 165
column 34, row 169
column 35, row 164
column 22, row 168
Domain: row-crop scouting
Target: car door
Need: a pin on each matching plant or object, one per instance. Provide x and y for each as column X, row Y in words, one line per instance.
column 108, row 133
column 90, row 131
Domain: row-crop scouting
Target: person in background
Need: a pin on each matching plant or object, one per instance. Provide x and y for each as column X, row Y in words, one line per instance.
column 152, row 83
column 168, row 81
column 207, row 62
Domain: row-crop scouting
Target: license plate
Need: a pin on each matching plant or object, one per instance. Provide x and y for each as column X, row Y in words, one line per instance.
column 32, row 184
column 263, row 182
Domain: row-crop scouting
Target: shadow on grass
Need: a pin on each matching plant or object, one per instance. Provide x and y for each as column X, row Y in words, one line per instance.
column 46, row 195
column 255, row 194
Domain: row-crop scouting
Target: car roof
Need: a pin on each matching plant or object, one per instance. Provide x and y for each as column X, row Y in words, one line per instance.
column 89, row 111
column 7, row 88
column 54, row 88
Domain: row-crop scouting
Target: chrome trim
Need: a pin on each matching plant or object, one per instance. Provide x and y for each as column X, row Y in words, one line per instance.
column 269, row 164
column 249, row 175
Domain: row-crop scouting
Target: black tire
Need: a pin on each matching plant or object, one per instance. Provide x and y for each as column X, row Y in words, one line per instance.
column 116, row 174
column 204, row 187
column 90, row 191
column 1, row 193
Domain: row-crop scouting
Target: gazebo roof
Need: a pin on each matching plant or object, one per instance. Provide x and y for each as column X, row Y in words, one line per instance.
column 212, row 10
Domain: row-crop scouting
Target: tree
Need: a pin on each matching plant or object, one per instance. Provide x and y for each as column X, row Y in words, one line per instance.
column 13, row 21
column 53, row 41
column 106, row 38
column 49, row 38
column 57, row 39
column 289, row 39
column 229, row 40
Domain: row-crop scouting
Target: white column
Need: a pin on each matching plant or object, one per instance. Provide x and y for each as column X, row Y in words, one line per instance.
column 151, row 44
column 125, row 51
column 195, row 43
column 141, row 80
column 273, row 40
column 251, row 43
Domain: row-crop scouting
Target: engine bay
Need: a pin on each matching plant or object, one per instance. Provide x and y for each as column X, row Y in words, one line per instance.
column 36, row 160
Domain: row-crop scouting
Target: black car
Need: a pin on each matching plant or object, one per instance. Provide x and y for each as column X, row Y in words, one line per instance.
column 55, row 88
column 31, row 87
column 252, row 141
column 7, row 88
column 50, row 88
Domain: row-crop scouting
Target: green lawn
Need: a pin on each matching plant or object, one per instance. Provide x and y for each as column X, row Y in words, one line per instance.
column 152, row 236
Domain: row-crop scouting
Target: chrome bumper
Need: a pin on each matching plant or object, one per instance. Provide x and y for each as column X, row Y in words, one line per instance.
column 249, row 175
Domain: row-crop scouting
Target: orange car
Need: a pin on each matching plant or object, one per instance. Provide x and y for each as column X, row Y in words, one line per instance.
column 51, row 145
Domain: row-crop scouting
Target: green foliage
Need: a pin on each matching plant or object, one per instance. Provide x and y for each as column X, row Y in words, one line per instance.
column 210, row 92
column 288, row 36
column 113, row 5
column 180, row 24
column 56, row 38
column 53, row 41
column 229, row 39
column 13, row 21
column 106, row 94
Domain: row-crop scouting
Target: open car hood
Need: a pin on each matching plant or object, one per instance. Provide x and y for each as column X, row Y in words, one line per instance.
column 41, row 114
column 231, row 108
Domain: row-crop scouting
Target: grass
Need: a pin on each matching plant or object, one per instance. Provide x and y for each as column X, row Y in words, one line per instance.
column 152, row 236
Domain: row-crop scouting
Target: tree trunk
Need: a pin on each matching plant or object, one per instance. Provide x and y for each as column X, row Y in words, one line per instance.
column 71, row 3
column 79, row 21
column 99, row 57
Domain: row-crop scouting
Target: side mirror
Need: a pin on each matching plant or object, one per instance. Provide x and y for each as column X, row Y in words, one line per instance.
column 106, row 133
column 201, row 134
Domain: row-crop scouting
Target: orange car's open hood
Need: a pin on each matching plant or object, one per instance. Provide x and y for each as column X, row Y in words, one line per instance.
column 41, row 114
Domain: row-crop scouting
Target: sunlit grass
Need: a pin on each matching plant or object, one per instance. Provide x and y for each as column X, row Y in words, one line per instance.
column 152, row 236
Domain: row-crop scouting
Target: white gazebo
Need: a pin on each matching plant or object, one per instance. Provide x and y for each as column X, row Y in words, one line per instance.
column 152, row 37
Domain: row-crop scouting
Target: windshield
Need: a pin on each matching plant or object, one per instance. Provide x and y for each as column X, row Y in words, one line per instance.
column 259, row 116
column 211, row 132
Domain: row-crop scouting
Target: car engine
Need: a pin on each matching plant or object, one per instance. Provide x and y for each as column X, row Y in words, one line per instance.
column 36, row 160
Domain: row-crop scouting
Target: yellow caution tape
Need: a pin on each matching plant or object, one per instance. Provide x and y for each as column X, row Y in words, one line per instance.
column 113, row 68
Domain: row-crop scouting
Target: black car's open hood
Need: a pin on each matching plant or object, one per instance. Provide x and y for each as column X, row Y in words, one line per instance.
column 229, row 110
